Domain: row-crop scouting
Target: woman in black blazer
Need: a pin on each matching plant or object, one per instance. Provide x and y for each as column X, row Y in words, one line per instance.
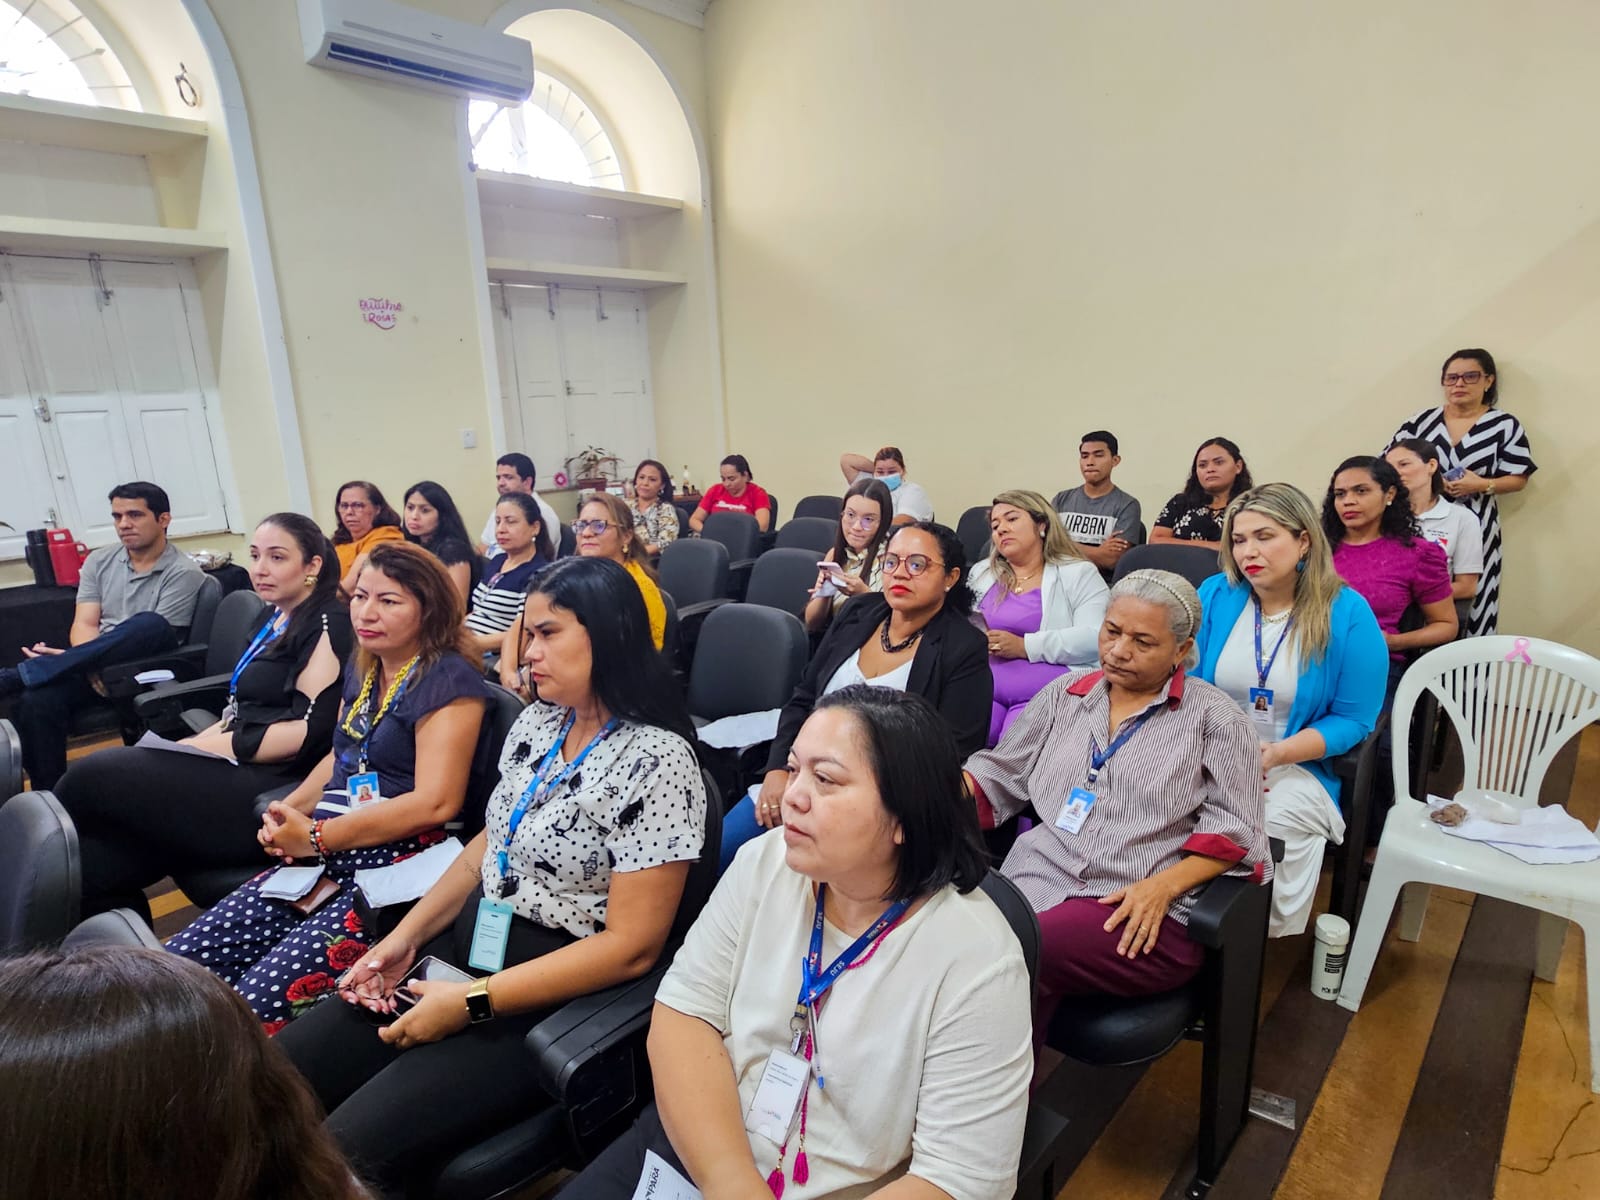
column 915, row 636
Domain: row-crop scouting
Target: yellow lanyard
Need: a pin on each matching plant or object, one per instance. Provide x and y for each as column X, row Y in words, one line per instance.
column 365, row 697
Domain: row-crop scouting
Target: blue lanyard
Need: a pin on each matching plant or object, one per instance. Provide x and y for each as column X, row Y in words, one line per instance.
column 541, row 785
column 1098, row 758
column 813, row 980
column 269, row 633
column 1262, row 671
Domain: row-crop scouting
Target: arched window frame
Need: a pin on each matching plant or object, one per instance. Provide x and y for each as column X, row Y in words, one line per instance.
column 75, row 63
column 568, row 110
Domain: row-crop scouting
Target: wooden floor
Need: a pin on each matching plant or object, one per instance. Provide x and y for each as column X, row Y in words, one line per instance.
column 1462, row 1077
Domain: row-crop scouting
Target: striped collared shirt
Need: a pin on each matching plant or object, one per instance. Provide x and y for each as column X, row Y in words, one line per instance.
column 1187, row 782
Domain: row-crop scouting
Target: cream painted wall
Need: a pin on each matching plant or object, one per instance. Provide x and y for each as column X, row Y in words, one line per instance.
column 980, row 230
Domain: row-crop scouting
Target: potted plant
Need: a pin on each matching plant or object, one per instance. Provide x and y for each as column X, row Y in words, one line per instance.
column 593, row 467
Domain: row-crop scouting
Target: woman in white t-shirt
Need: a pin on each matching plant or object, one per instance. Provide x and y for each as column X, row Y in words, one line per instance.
column 1450, row 526
column 905, row 1036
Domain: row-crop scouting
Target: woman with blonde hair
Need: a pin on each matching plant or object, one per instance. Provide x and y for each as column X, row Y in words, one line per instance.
column 1302, row 654
column 1041, row 600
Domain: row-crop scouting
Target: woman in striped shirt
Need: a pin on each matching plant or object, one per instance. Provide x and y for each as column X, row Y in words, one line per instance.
column 525, row 550
column 1132, row 820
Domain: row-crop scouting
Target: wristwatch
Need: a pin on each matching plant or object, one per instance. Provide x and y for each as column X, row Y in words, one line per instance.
column 479, row 1007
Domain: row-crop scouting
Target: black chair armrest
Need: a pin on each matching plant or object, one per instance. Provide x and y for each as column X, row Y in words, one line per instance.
column 1229, row 903
column 175, row 697
column 267, row 797
column 185, row 663
column 698, row 611
column 584, row 1052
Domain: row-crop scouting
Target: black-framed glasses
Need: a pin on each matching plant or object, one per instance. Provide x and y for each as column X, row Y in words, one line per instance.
column 594, row 527
column 1456, row 377
column 916, row 564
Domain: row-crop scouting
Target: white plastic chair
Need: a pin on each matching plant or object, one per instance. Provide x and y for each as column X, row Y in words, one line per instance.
column 1514, row 702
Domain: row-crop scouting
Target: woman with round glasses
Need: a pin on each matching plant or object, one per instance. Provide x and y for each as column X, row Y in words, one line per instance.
column 605, row 529
column 864, row 526
column 915, row 636
column 365, row 520
column 1485, row 454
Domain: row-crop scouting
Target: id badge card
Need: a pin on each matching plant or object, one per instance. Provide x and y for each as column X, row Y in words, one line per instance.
column 364, row 789
column 1261, row 709
column 777, row 1098
column 489, row 935
column 1076, row 810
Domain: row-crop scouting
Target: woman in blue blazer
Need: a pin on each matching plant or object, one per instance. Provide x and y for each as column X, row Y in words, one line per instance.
column 1302, row 654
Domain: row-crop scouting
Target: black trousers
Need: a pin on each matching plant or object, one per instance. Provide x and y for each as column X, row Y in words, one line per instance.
column 614, row 1174
column 145, row 814
column 399, row 1114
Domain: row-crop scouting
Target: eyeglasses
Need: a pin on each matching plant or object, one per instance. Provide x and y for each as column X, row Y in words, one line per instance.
column 1456, row 377
column 594, row 527
column 353, row 505
column 916, row 564
column 866, row 522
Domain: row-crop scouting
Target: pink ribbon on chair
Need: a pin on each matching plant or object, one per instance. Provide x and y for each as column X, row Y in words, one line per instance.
column 1519, row 649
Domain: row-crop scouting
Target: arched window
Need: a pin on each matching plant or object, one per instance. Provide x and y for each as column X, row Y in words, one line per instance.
column 553, row 135
column 49, row 50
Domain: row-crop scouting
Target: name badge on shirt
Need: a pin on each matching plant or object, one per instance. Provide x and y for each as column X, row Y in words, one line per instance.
column 489, row 935
column 1261, row 708
column 1076, row 810
column 777, row 1099
column 363, row 789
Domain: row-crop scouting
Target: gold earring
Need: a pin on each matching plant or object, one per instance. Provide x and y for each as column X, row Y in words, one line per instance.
column 311, row 581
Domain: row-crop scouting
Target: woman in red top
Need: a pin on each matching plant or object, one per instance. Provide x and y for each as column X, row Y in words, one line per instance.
column 736, row 493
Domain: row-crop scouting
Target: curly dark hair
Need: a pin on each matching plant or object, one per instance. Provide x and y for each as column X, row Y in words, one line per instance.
column 1397, row 521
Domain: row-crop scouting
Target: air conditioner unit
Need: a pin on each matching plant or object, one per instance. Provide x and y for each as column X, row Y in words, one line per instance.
column 402, row 44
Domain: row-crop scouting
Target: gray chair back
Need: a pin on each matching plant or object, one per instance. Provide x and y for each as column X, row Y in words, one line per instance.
column 206, row 601
column 783, row 579
column 809, row 533
column 1194, row 563
column 119, row 927
column 973, row 532
column 748, row 659
column 41, row 885
column 737, row 531
column 828, row 508
column 10, row 761
column 229, row 633
column 695, row 570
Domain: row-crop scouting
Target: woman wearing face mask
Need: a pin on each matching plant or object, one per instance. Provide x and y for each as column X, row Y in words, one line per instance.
column 915, row 636
column 864, row 526
column 655, row 517
column 1041, row 600
column 433, row 522
column 1194, row 515
column 917, row 1047
column 581, row 865
column 888, row 467
column 737, row 492
column 1147, row 783
column 1303, row 657
column 365, row 521
column 402, row 752
column 524, row 551
column 1487, row 454
column 1448, row 525
column 145, row 814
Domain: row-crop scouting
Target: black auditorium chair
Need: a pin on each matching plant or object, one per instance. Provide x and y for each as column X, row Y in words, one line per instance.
column 973, row 532
column 742, row 536
column 205, row 886
column 567, row 544
column 41, row 882
column 117, row 927
column 749, row 659
column 1218, row 1007
column 809, row 533
column 10, row 761
column 828, row 508
column 783, row 579
column 672, row 637
column 590, row 1057
column 1194, row 563
column 177, row 709
column 695, row 571
column 1356, row 770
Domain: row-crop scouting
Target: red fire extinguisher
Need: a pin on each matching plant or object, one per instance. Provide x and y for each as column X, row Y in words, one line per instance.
column 66, row 556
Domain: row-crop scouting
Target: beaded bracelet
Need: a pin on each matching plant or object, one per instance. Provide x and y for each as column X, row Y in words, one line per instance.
column 316, row 840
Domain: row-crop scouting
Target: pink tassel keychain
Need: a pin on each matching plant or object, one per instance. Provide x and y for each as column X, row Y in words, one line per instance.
column 802, row 1168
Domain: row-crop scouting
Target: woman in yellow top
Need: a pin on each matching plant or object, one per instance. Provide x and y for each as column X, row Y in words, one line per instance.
column 365, row 520
column 605, row 530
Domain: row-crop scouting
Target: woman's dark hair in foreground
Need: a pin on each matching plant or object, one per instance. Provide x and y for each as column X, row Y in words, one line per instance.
column 313, row 543
column 918, row 773
column 450, row 523
column 629, row 676
column 959, row 598
column 1195, row 494
column 133, row 1074
column 1397, row 521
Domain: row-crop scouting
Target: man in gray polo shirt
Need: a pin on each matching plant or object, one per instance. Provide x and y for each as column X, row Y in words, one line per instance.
column 1101, row 517
column 134, row 599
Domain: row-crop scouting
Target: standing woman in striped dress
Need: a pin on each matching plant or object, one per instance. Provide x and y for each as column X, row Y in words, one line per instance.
column 1486, row 449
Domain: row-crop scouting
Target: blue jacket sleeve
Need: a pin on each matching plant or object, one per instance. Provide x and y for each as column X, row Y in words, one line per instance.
column 1359, row 658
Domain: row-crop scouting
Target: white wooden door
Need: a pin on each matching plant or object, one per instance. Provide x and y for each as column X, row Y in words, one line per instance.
column 85, row 432
column 583, row 365
column 164, row 405
column 540, row 397
column 27, row 499
column 625, row 363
